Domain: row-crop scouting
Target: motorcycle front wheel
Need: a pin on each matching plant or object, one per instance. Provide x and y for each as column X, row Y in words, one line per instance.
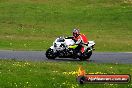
column 50, row 54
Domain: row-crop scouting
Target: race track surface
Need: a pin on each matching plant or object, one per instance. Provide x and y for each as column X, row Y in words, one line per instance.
column 97, row 57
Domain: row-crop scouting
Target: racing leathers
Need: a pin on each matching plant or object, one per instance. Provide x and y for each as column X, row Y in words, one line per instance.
column 82, row 40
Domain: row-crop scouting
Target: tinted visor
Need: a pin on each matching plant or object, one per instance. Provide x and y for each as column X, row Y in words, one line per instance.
column 75, row 34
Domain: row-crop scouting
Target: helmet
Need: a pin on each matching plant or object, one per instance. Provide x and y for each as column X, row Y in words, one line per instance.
column 76, row 32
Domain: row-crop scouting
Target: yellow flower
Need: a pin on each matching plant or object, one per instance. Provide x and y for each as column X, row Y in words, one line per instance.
column 91, row 73
column 110, row 67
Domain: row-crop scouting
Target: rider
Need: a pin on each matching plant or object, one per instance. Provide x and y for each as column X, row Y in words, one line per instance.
column 80, row 39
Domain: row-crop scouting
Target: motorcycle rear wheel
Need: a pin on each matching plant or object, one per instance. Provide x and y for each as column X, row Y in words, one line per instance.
column 84, row 57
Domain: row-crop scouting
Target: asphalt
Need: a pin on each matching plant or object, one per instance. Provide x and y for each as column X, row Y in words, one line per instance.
column 97, row 57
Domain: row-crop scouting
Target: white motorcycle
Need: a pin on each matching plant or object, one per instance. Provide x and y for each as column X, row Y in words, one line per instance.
column 66, row 48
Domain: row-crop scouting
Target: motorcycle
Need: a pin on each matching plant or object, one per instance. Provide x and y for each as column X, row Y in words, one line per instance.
column 66, row 48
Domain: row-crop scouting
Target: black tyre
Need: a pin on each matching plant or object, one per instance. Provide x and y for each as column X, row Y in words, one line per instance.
column 50, row 54
column 88, row 55
column 85, row 56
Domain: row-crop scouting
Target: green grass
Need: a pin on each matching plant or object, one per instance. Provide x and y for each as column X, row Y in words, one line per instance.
column 36, row 23
column 28, row 74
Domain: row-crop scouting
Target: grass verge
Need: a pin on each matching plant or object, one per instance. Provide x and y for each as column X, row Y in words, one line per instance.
column 28, row 74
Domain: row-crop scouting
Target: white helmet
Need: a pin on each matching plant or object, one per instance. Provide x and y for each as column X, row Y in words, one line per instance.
column 76, row 32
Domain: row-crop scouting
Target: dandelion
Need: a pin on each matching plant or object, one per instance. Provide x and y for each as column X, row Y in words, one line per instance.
column 74, row 73
column 71, row 73
column 64, row 83
column 25, row 45
column 111, row 84
column 26, row 63
column 55, row 71
column 110, row 67
column 10, row 44
column 73, row 86
column 27, row 83
column 15, row 84
column 96, row 72
column 91, row 73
